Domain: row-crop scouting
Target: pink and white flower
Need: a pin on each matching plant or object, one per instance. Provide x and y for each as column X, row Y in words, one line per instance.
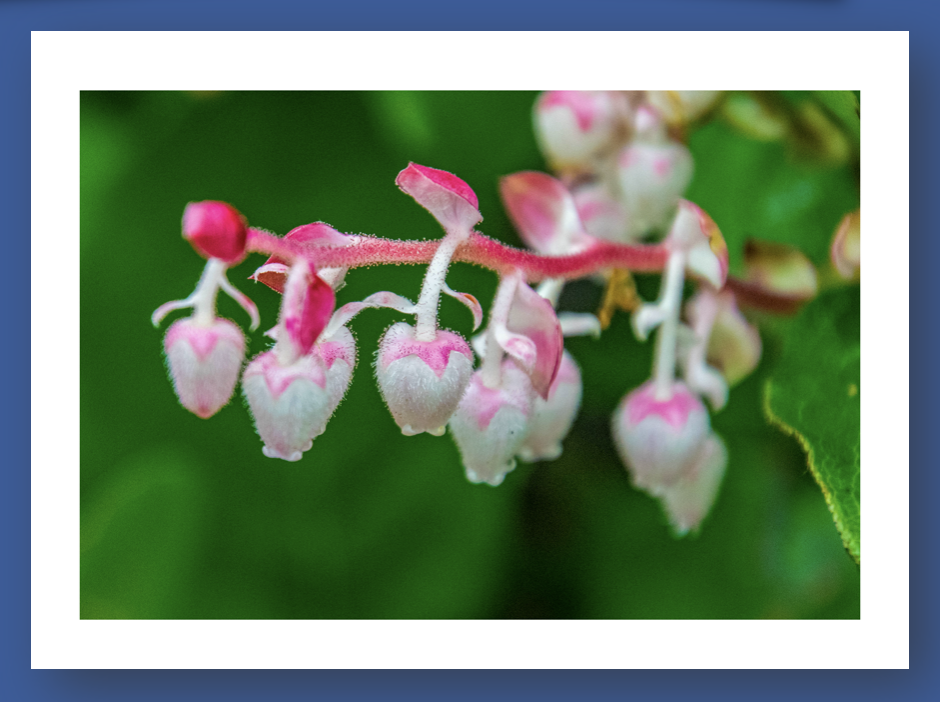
column 293, row 390
column 659, row 439
column 573, row 126
column 422, row 381
column 689, row 500
column 553, row 416
column 490, row 423
column 204, row 361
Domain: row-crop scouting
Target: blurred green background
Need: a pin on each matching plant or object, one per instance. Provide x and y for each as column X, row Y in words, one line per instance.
column 185, row 518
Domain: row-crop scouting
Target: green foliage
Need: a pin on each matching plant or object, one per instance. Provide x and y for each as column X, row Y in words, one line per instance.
column 185, row 518
column 814, row 395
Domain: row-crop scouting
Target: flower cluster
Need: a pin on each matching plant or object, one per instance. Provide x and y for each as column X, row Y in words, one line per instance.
column 614, row 203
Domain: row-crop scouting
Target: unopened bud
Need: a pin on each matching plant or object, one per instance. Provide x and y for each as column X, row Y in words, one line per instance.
column 659, row 440
column 216, row 230
column 291, row 404
column 688, row 501
column 422, row 381
column 490, row 424
column 204, row 361
column 573, row 126
column 552, row 418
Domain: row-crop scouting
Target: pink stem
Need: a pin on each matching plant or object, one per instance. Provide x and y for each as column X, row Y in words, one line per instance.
column 478, row 249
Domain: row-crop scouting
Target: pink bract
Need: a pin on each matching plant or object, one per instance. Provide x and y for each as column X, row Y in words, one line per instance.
column 452, row 202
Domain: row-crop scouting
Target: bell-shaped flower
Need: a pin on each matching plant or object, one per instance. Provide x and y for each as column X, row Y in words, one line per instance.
column 204, row 361
column 273, row 272
column 653, row 172
column 659, row 439
column 846, row 246
column 293, row 389
column 452, row 202
column 490, row 423
column 216, row 230
column 422, row 381
column 544, row 213
column 574, row 126
column 553, row 416
column 689, row 500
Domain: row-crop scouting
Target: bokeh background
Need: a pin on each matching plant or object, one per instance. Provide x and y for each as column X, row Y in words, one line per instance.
column 185, row 518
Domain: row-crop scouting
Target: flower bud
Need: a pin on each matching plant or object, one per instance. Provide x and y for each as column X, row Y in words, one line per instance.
column 659, row 440
column 552, row 418
column 291, row 404
column 490, row 424
column 652, row 178
column 846, row 248
column 422, row 381
column 204, row 362
column 216, row 230
column 680, row 107
column 690, row 499
column 573, row 126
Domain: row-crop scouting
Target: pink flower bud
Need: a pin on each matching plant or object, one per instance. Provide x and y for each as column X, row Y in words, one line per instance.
column 603, row 215
column 652, row 178
column 552, row 418
column 422, row 381
column 204, row 362
column 572, row 126
column 291, row 404
column 659, row 440
column 216, row 230
column 689, row 500
column 490, row 424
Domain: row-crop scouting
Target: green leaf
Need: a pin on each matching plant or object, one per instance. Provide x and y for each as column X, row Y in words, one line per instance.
column 813, row 395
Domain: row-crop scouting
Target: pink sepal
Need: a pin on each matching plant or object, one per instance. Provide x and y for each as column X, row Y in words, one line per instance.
column 532, row 335
column 452, row 202
column 543, row 212
column 216, row 230
column 273, row 272
column 697, row 234
column 306, row 308
column 422, row 381
column 490, row 424
column 658, row 440
column 204, row 362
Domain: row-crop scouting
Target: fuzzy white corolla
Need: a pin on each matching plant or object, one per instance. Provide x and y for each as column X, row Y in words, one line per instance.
column 422, row 381
column 552, row 417
column 490, row 424
column 291, row 404
column 659, row 440
column 204, row 361
column 690, row 499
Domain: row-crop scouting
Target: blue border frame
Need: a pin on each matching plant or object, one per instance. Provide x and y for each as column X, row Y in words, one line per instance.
column 17, row 18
